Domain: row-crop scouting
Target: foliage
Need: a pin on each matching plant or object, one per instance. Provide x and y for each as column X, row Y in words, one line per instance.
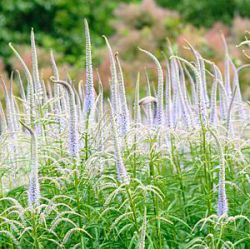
column 59, row 22
column 206, row 13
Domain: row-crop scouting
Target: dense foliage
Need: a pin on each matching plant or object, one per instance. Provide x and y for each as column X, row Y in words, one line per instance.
column 167, row 170
column 59, row 22
column 206, row 12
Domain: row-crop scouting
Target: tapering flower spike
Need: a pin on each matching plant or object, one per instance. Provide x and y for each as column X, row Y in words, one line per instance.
column 213, row 106
column 160, row 109
column 222, row 205
column 34, row 187
column 38, row 90
column 114, row 81
column 124, row 112
column 121, row 171
column 101, row 116
column 30, row 95
column 73, row 128
column 57, row 94
column 201, row 87
column 183, row 105
column 89, row 99
column 238, row 97
column 13, row 105
column 202, row 114
column 227, row 62
column 168, row 96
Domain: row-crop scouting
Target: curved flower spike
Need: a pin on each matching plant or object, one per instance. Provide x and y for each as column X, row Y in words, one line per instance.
column 34, row 187
column 73, row 130
column 120, row 167
column 89, row 99
column 159, row 112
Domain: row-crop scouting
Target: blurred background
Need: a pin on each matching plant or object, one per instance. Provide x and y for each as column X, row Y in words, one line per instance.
column 128, row 24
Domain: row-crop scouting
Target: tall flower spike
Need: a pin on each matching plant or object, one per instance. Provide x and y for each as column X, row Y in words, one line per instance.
column 57, row 77
column 30, row 95
column 89, row 100
column 121, row 171
column 160, row 108
column 73, row 128
column 175, row 93
column 203, row 81
column 124, row 113
column 38, row 89
column 34, row 187
column 168, row 96
column 11, row 116
column 222, row 205
column 57, row 93
column 100, row 119
column 172, row 87
column 185, row 113
column 227, row 63
column 197, row 79
column 180, row 103
column 213, row 106
column 35, row 72
column 12, row 125
column 201, row 89
column 114, row 83
column 14, row 106
column 238, row 97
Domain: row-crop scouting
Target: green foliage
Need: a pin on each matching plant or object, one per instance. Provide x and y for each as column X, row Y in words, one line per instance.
column 206, row 12
column 59, row 24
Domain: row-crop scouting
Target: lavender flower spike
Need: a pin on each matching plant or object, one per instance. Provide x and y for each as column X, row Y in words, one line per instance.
column 120, row 167
column 30, row 96
column 124, row 112
column 73, row 129
column 34, row 187
column 114, row 81
column 89, row 100
column 35, row 73
column 222, row 205
column 213, row 107
column 160, row 108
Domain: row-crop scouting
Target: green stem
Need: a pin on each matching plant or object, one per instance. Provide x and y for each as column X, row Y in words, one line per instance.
column 78, row 203
column 156, row 206
column 132, row 205
column 34, row 231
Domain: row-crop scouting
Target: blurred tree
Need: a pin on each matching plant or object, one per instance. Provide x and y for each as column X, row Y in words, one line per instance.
column 206, row 12
column 57, row 23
